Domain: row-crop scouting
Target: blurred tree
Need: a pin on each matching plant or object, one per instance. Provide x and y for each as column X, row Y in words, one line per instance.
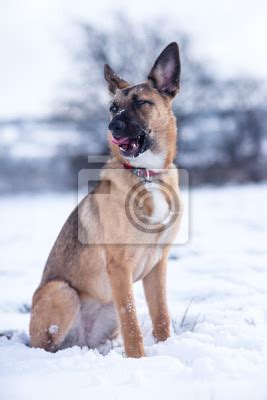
column 222, row 123
column 219, row 119
column 131, row 50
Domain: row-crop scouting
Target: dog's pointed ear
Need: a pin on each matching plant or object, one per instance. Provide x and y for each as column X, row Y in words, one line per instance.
column 165, row 74
column 113, row 80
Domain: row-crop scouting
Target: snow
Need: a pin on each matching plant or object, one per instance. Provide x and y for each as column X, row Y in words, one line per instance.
column 53, row 329
column 35, row 140
column 217, row 294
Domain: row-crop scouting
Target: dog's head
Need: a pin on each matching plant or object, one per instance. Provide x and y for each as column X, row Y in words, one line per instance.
column 142, row 126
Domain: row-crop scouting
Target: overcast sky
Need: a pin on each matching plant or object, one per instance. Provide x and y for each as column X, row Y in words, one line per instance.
column 35, row 37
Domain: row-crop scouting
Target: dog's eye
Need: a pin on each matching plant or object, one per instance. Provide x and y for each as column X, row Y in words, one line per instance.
column 113, row 108
column 140, row 103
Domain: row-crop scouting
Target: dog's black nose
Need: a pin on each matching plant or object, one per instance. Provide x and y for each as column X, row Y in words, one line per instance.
column 117, row 127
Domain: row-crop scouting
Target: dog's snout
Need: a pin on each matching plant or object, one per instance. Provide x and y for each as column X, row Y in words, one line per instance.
column 117, row 127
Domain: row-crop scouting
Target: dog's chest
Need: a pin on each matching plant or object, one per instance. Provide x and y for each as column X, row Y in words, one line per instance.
column 158, row 213
column 159, row 205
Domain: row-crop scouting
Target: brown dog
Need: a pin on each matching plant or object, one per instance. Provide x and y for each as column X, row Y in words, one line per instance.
column 87, row 284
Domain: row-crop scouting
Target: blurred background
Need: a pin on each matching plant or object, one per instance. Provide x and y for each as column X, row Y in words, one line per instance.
column 54, row 102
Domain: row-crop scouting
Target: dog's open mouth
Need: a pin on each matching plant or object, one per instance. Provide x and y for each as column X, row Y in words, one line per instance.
column 130, row 147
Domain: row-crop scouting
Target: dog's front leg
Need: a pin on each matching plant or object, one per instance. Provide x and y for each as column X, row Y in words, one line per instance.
column 123, row 297
column 155, row 291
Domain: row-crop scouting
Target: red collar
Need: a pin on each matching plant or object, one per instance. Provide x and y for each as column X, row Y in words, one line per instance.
column 145, row 173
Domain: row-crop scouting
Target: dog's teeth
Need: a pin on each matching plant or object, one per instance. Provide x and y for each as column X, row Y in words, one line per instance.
column 131, row 147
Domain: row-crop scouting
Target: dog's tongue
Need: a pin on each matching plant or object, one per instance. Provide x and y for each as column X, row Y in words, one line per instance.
column 129, row 146
column 121, row 141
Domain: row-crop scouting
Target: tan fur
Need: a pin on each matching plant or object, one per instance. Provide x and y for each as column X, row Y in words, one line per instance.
column 64, row 301
column 79, row 276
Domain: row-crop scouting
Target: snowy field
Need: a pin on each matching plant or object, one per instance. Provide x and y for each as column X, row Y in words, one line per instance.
column 217, row 292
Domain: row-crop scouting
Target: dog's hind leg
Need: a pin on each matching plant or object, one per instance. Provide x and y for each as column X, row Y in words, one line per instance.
column 55, row 309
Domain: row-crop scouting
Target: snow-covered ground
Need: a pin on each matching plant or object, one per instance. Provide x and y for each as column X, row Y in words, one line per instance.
column 217, row 291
